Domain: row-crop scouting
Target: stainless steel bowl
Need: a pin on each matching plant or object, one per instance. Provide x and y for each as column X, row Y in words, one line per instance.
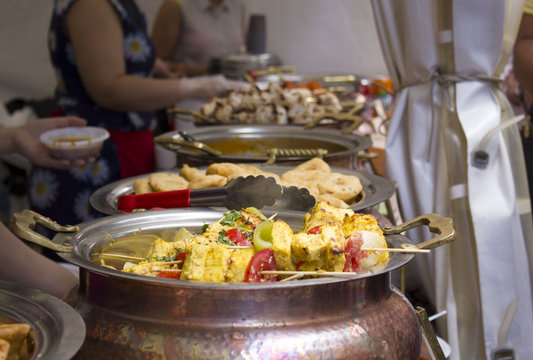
column 57, row 330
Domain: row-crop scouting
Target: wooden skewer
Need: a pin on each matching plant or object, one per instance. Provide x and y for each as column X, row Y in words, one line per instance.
column 122, row 256
column 237, row 247
column 407, row 250
column 306, row 273
column 293, row 277
column 166, row 262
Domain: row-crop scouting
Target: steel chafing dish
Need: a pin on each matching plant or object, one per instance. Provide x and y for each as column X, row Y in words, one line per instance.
column 261, row 143
column 137, row 317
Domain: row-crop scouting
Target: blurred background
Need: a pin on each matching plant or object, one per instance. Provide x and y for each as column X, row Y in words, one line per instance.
column 314, row 36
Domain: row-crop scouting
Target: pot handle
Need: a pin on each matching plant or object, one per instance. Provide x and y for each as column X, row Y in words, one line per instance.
column 174, row 144
column 23, row 223
column 437, row 224
column 274, row 153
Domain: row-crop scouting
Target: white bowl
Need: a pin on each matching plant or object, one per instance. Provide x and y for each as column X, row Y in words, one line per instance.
column 75, row 142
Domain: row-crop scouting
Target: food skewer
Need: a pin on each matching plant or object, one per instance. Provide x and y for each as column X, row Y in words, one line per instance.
column 406, row 250
column 308, row 273
column 119, row 256
column 136, row 258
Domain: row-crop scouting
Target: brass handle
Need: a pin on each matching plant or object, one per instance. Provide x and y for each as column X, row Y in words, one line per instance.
column 23, row 223
column 174, row 144
column 437, row 224
column 274, row 153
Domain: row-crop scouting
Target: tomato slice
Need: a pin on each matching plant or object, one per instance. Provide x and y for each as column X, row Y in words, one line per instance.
column 181, row 257
column 236, row 236
column 315, row 230
column 262, row 260
column 169, row 274
column 353, row 254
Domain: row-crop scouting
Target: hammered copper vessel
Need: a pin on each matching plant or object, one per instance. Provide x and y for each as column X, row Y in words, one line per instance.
column 129, row 316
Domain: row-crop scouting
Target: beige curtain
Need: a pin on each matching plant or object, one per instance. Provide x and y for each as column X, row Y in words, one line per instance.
column 446, row 58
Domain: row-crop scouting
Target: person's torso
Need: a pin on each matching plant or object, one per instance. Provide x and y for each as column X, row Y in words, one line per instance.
column 208, row 31
column 139, row 57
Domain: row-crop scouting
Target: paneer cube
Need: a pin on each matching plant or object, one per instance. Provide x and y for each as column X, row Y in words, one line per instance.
column 161, row 249
column 281, row 245
column 238, row 263
column 358, row 222
column 323, row 212
column 207, row 260
column 323, row 249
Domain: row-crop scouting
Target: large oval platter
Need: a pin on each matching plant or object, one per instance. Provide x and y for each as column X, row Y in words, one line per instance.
column 57, row 330
column 376, row 189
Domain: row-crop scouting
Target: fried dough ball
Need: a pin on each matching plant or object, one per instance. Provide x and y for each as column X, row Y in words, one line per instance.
column 314, row 164
column 207, row 181
column 344, row 187
column 142, row 186
column 167, row 182
column 190, row 173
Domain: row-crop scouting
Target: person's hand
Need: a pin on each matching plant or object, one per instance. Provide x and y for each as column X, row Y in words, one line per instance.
column 205, row 87
column 26, row 142
column 512, row 89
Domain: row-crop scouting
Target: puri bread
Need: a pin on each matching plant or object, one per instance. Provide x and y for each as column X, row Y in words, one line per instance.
column 229, row 170
column 207, row 181
column 167, row 182
column 344, row 187
column 314, row 164
column 336, row 202
column 191, row 173
column 142, row 186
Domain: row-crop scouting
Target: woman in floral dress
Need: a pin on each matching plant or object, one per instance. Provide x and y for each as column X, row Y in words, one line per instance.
column 105, row 66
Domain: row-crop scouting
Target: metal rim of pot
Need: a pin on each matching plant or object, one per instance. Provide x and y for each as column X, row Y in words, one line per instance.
column 76, row 243
column 353, row 143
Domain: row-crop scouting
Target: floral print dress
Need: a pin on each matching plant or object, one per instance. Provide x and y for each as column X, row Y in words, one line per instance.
column 63, row 195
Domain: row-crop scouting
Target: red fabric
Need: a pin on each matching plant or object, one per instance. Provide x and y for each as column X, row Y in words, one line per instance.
column 135, row 151
column 56, row 113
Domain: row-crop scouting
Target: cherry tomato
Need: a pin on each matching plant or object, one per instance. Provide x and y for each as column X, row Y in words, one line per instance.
column 169, row 274
column 315, row 230
column 237, row 237
column 262, row 260
column 353, row 253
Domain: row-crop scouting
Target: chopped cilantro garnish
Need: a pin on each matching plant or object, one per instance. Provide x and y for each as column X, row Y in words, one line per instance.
column 204, row 227
column 230, row 217
column 165, row 258
column 224, row 239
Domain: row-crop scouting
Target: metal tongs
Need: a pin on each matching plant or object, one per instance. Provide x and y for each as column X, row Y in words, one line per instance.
column 238, row 193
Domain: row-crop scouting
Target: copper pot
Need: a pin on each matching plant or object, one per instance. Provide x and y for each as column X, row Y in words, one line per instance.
column 261, row 143
column 136, row 317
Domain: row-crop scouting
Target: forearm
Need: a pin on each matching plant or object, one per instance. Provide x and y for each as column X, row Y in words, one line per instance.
column 21, row 264
column 131, row 93
column 7, row 143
